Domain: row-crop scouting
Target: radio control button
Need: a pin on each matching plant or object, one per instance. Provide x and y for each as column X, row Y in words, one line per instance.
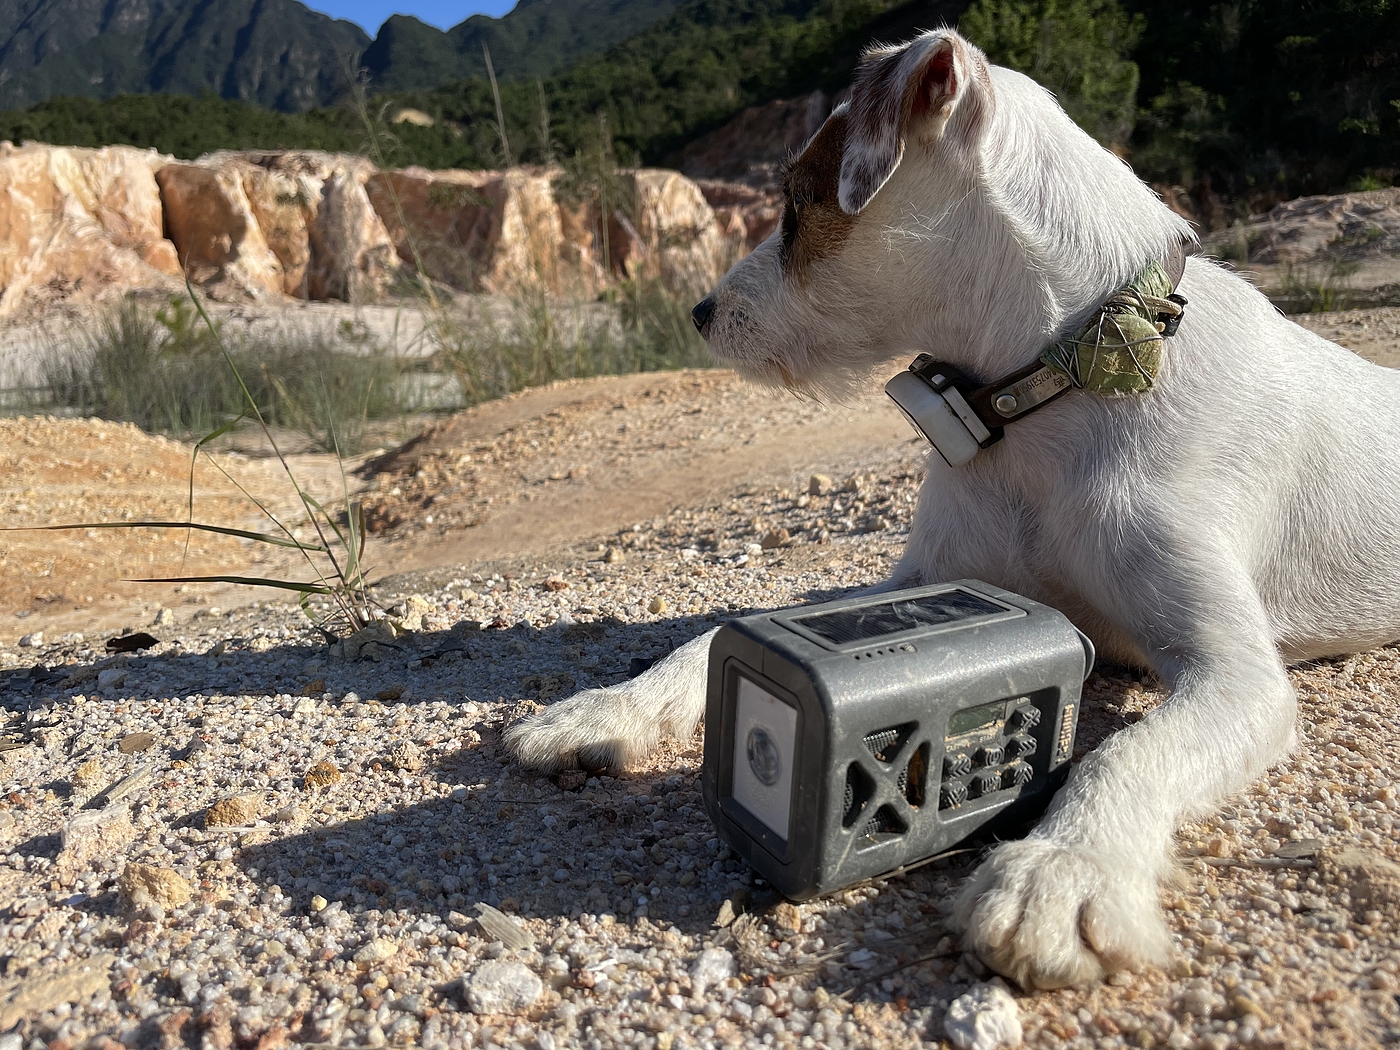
column 985, row 783
column 1017, row 774
column 1020, row 747
column 956, row 765
column 951, row 795
column 1027, row 716
column 990, row 755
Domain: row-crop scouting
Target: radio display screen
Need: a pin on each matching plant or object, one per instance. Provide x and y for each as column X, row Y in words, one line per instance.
column 971, row 718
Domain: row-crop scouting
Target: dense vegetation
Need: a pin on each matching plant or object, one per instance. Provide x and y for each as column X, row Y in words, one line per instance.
column 536, row 39
column 1254, row 99
column 189, row 127
column 1269, row 98
column 279, row 53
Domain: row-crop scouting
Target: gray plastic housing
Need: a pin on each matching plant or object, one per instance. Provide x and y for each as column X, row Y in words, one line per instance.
column 837, row 773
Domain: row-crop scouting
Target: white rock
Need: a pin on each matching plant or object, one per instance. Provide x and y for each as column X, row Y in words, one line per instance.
column 502, row 988
column 862, row 959
column 713, row 966
column 111, row 678
column 164, row 617
column 376, row 951
column 985, row 1018
column 32, row 641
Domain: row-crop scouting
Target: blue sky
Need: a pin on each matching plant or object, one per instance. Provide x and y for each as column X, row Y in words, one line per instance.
column 441, row 13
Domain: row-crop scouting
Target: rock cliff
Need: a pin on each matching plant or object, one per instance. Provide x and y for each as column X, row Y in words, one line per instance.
column 323, row 226
column 76, row 221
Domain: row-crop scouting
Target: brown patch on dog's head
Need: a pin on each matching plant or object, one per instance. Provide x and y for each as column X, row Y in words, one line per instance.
column 814, row 226
column 914, row 91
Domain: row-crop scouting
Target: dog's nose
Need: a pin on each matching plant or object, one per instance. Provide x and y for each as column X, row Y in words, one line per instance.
column 704, row 310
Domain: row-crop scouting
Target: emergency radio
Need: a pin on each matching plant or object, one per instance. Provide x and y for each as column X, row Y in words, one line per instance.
column 849, row 739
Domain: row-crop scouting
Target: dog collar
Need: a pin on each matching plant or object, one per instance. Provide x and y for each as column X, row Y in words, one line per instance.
column 1116, row 354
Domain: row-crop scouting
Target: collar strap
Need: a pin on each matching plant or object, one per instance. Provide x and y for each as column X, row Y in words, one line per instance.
column 1118, row 352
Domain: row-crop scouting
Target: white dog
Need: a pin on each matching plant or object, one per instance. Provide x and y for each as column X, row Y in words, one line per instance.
column 1243, row 513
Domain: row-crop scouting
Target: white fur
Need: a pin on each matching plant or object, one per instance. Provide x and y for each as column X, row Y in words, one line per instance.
column 1244, row 513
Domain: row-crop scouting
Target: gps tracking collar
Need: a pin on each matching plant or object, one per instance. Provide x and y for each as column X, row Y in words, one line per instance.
column 1117, row 353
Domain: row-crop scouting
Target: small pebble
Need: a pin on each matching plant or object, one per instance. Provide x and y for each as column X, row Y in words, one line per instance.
column 502, row 988
column 984, row 1018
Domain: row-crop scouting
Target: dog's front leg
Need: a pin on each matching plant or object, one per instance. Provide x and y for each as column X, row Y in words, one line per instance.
column 1078, row 898
column 613, row 727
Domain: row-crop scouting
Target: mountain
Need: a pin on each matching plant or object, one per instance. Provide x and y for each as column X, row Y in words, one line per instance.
column 535, row 39
column 275, row 53
column 279, row 54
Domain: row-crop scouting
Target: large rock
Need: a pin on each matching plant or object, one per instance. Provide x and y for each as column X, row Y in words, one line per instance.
column 1350, row 224
column 499, row 232
column 311, row 225
column 753, row 146
column 295, row 223
column 79, row 222
column 743, row 213
column 486, row 231
column 1320, row 253
column 215, row 231
column 679, row 229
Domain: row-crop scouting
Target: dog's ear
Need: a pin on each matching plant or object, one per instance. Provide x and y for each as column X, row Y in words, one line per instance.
column 912, row 91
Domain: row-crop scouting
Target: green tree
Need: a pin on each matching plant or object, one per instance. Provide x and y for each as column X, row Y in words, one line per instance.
column 1079, row 49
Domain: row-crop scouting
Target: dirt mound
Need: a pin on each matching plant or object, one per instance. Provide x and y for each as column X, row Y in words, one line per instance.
column 538, row 471
column 80, row 471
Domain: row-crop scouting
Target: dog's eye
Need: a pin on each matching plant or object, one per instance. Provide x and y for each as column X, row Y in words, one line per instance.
column 799, row 201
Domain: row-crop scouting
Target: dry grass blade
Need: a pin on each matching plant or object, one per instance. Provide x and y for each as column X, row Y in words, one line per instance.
column 345, row 583
column 873, row 978
column 809, row 963
column 260, row 537
column 246, row 581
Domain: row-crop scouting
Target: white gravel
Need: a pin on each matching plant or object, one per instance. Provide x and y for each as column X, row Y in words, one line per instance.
column 380, row 812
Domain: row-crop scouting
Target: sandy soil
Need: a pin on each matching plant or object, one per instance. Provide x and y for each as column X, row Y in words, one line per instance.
column 1283, row 921
column 522, row 475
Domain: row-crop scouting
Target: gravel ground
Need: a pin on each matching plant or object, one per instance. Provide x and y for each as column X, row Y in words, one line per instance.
column 326, row 851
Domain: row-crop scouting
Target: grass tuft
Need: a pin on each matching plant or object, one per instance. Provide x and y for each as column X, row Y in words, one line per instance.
column 164, row 371
column 646, row 329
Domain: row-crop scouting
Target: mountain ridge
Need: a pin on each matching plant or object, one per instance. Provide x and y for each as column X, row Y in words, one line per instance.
column 275, row 53
column 280, row 54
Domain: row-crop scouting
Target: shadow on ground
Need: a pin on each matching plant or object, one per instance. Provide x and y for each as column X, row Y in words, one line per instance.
column 470, row 826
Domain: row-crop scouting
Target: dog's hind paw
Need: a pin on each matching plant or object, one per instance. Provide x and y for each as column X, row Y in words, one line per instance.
column 1049, row 916
column 594, row 729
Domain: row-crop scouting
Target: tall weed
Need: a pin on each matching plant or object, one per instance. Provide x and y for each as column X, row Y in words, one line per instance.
column 164, row 370
column 645, row 329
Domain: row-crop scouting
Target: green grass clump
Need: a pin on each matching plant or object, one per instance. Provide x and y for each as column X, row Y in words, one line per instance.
column 1308, row 290
column 164, row 371
column 541, row 341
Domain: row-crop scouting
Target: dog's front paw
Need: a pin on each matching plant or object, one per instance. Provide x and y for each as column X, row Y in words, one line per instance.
column 1048, row 915
column 594, row 729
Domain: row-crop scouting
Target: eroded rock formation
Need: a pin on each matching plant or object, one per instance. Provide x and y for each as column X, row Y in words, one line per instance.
column 79, row 220
column 308, row 225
